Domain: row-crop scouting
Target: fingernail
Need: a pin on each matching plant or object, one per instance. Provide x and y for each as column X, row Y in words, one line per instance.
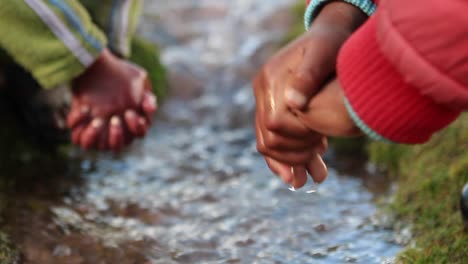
column 115, row 121
column 295, row 99
column 129, row 113
column 97, row 123
column 154, row 101
column 287, row 180
column 84, row 109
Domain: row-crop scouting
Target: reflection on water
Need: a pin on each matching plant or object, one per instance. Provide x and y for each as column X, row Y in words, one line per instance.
column 196, row 191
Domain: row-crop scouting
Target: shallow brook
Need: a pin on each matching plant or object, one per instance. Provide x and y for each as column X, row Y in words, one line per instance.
column 195, row 190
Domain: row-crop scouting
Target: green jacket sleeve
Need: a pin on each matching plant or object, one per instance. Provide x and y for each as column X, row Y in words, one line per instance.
column 55, row 40
column 118, row 19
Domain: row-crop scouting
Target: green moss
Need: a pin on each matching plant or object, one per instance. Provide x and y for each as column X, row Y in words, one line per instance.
column 388, row 156
column 298, row 25
column 349, row 146
column 430, row 178
column 14, row 146
column 146, row 54
column 7, row 254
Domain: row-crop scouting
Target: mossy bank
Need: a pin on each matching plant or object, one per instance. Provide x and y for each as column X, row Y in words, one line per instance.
column 430, row 178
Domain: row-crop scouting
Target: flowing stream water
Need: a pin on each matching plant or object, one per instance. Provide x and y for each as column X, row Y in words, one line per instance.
column 195, row 190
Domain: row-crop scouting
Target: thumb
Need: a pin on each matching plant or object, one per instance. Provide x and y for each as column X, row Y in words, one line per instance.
column 316, row 67
column 317, row 169
column 327, row 113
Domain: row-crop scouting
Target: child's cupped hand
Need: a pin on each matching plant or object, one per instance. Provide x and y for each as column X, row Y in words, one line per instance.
column 112, row 104
column 284, row 87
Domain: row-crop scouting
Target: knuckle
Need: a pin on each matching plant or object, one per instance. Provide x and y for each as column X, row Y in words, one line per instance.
column 271, row 166
column 273, row 122
column 263, row 77
column 268, row 71
column 272, row 141
column 261, row 148
column 298, row 162
column 301, row 159
column 142, row 74
column 288, row 158
column 309, row 76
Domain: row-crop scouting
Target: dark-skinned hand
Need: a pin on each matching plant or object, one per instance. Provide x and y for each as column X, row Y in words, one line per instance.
column 112, row 104
column 285, row 85
column 327, row 113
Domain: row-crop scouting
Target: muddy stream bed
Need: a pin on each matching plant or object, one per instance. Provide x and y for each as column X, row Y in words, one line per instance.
column 195, row 190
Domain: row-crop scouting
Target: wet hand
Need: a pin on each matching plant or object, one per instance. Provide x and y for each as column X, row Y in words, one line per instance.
column 112, row 104
column 281, row 136
column 289, row 147
column 303, row 65
column 315, row 53
column 287, row 82
column 296, row 176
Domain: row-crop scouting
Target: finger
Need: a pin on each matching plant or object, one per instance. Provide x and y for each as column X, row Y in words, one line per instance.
column 91, row 134
column 134, row 124
column 77, row 115
column 149, row 104
column 280, row 169
column 285, row 124
column 322, row 148
column 317, row 64
column 273, row 113
column 116, row 134
column 299, row 176
column 278, row 142
column 103, row 139
column 143, row 126
column 76, row 133
column 317, row 169
column 290, row 158
column 128, row 136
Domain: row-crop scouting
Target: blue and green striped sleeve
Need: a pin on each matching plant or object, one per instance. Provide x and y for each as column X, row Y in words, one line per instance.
column 362, row 126
column 314, row 7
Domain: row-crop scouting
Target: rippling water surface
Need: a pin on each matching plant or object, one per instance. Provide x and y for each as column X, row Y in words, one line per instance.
column 195, row 190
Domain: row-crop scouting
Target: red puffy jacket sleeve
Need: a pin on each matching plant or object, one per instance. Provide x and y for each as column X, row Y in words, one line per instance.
column 405, row 71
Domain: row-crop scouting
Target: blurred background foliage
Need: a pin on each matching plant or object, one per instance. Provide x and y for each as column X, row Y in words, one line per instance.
column 146, row 54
